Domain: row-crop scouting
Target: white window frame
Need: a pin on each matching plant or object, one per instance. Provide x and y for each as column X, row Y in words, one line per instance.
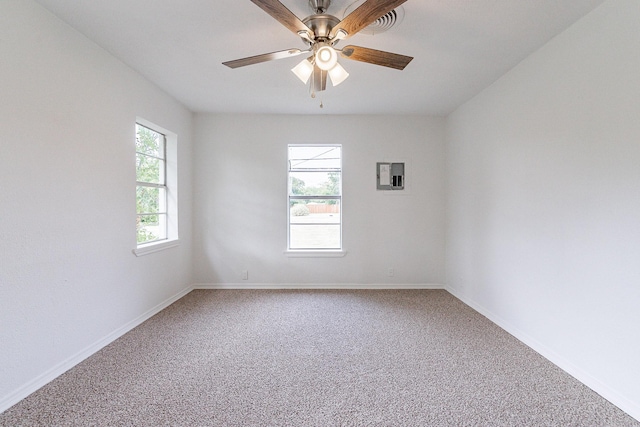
column 314, row 252
column 170, row 208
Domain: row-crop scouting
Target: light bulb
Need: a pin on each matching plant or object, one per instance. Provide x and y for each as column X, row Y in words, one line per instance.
column 326, row 58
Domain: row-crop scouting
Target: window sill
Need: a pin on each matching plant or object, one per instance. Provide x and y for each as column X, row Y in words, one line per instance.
column 315, row 254
column 155, row 247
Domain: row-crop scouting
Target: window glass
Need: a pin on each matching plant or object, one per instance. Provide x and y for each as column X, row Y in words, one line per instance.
column 151, row 190
column 315, row 197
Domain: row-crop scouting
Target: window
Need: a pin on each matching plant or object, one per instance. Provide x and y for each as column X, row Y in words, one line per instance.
column 156, row 188
column 151, row 185
column 315, row 197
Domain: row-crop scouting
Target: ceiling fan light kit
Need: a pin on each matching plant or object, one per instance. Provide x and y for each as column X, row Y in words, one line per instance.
column 321, row 32
column 338, row 74
column 303, row 70
column 326, row 57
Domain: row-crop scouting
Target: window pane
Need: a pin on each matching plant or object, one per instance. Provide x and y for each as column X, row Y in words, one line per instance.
column 149, row 142
column 310, row 158
column 151, row 227
column 150, row 200
column 149, row 169
column 314, row 224
column 314, row 183
column 323, row 211
column 314, row 236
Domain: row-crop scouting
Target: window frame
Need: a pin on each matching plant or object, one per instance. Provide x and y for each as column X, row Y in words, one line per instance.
column 168, row 207
column 315, row 252
column 161, row 213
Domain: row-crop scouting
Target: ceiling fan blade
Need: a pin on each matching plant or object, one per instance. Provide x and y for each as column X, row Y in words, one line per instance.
column 283, row 15
column 377, row 57
column 263, row 58
column 364, row 15
column 319, row 82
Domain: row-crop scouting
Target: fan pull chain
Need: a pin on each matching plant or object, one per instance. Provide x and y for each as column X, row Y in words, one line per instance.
column 311, row 91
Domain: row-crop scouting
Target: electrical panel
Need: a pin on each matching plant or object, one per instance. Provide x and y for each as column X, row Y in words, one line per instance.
column 390, row 176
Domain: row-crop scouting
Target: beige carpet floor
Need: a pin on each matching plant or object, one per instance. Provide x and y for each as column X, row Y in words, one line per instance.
column 316, row 358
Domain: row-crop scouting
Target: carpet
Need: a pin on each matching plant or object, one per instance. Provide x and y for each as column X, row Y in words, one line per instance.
column 316, row 358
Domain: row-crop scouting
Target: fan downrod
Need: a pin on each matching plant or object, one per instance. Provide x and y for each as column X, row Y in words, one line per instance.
column 319, row 6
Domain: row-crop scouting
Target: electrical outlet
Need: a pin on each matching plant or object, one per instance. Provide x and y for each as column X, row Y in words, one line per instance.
column 391, row 272
column 245, row 275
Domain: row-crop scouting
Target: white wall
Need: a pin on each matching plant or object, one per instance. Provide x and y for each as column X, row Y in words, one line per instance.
column 241, row 199
column 68, row 277
column 543, row 187
column 543, row 203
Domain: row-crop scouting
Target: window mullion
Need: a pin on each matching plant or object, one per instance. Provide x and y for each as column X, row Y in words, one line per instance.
column 314, row 170
column 150, row 184
column 152, row 213
column 298, row 197
column 150, row 155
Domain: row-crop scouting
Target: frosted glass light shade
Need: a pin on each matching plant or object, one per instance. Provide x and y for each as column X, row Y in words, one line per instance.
column 303, row 70
column 326, row 58
column 338, row 74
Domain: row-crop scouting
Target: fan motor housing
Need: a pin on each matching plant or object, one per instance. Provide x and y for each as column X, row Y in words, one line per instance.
column 321, row 25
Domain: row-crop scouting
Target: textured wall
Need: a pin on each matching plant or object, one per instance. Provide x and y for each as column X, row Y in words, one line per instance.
column 67, row 211
column 543, row 190
column 241, row 204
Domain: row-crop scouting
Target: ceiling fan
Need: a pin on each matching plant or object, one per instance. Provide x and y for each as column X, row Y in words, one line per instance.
column 322, row 32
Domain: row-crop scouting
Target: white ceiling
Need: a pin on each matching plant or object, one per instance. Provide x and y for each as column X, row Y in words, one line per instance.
column 460, row 47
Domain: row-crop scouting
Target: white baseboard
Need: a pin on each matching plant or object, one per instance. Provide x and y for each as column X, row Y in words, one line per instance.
column 628, row 406
column 48, row 376
column 245, row 285
column 631, row 408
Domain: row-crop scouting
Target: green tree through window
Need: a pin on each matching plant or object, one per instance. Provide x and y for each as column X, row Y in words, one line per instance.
column 151, row 189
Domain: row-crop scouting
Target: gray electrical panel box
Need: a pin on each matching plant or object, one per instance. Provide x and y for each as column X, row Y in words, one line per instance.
column 390, row 176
